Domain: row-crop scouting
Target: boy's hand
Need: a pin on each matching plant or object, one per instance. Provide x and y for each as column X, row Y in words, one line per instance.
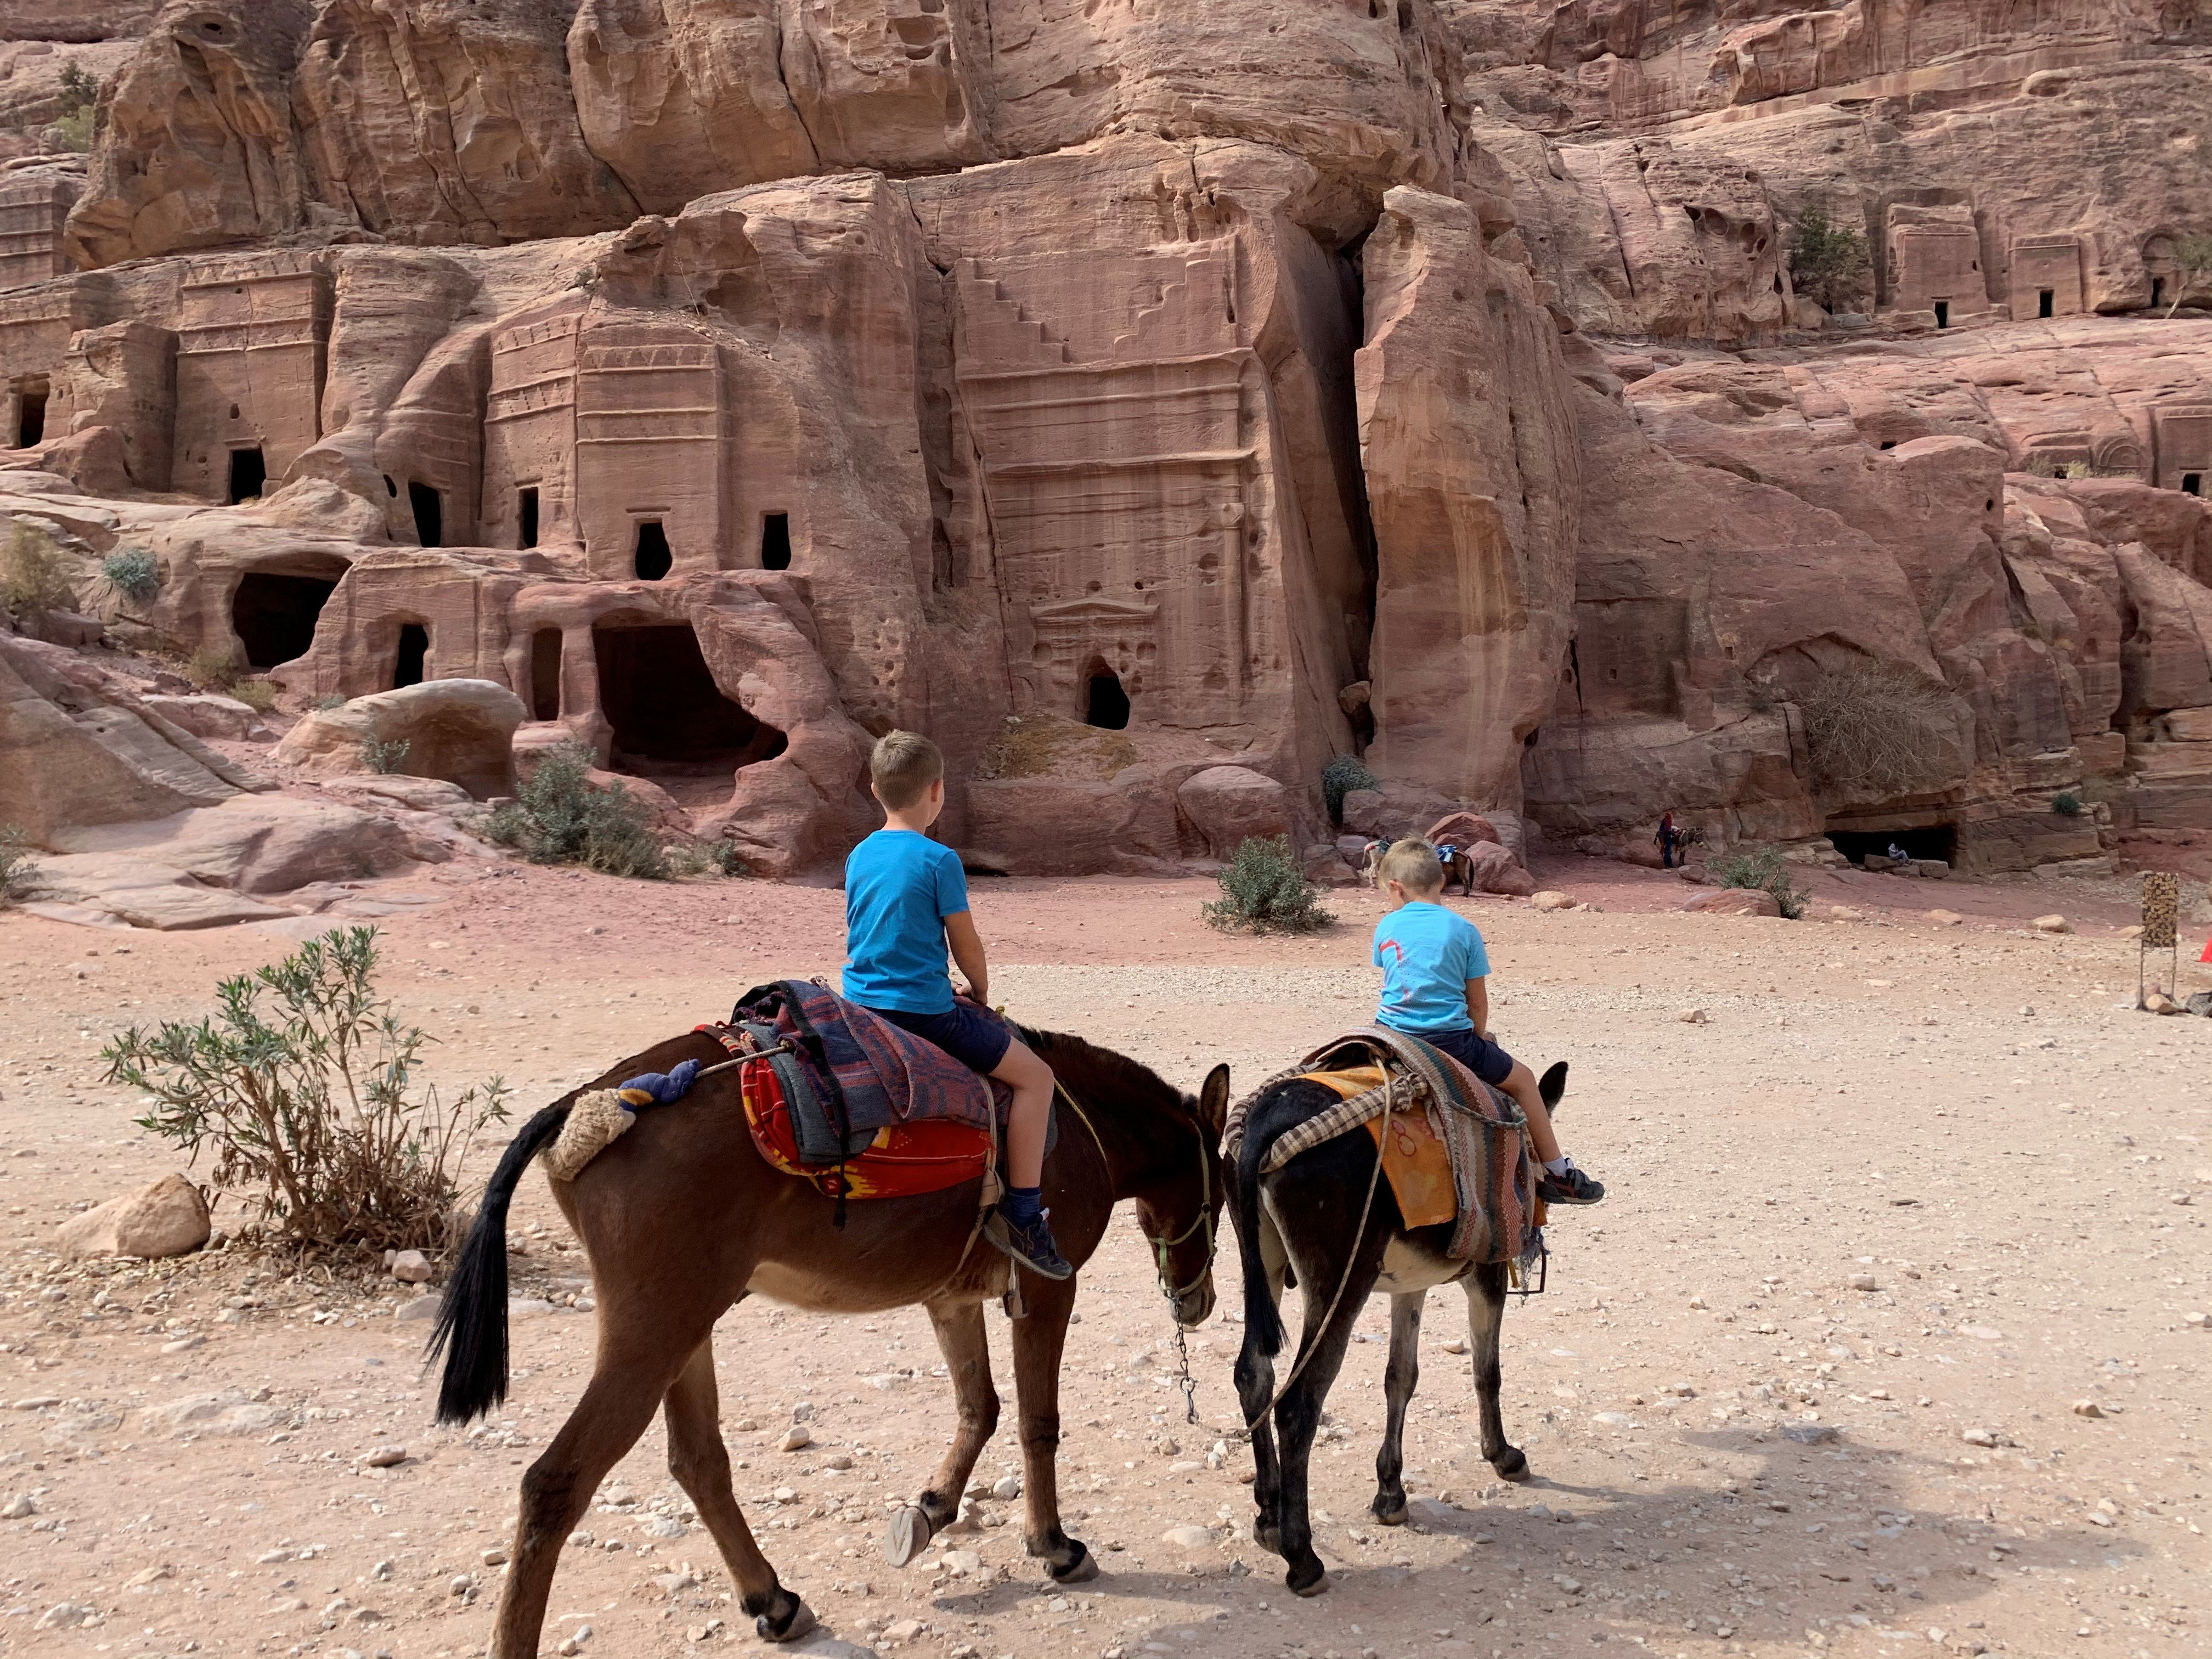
column 975, row 993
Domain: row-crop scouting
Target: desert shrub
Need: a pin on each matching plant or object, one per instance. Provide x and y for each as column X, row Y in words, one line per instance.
column 2067, row 805
column 16, row 865
column 75, row 127
column 135, row 574
column 2192, row 258
column 32, row 574
column 1828, row 261
column 1873, row 728
column 324, row 704
column 385, row 758
column 1339, row 778
column 1762, row 870
column 712, row 858
column 302, row 1086
column 558, row 817
column 256, row 693
column 1263, row 889
column 212, row 668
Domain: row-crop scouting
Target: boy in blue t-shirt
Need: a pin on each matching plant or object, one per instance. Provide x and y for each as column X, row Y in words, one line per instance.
column 1434, row 971
column 906, row 899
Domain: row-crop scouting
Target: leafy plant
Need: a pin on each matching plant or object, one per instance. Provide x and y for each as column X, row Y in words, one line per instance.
column 302, row 1084
column 717, row 858
column 2192, row 261
column 1873, row 728
column 135, row 574
column 324, row 704
column 256, row 692
column 32, row 574
column 559, row 818
column 385, row 758
column 1764, row 871
column 1828, row 261
column 1339, row 778
column 15, row 864
column 212, row 668
column 2067, row 805
column 76, row 126
column 1263, row 889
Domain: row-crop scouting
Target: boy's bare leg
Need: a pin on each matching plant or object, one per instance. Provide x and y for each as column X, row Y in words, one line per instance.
column 1031, row 1081
column 1521, row 1084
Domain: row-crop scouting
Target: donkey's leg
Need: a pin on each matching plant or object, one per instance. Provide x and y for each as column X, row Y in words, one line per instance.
column 1402, row 1371
column 1297, row 1416
column 1255, row 1386
column 967, row 1350
column 625, row 1390
column 701, row 1464
column 1039, row 1339
column 1485, row 1314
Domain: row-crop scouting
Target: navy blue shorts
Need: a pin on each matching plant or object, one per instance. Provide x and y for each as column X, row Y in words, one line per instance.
column 975, row 1037
column 1478, row 1055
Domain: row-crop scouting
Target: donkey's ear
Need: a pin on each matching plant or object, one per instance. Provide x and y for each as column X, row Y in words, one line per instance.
column 1214, row 1101
column 1553, row 1085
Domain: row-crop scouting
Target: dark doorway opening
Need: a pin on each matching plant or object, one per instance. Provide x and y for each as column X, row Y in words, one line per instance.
column 2045, row 299
column 653, row 560
column 429, row 514
column 776, row 541
column 31, row 414
column 248, row 473
column 413, row 656
column 2157, row 290
column 2192, row 483
column 1105, row 703
column 545, row 674
column 672, row 722
column 1942, row 314
column 1934, row 840
column 526, row 508
column 274, row 615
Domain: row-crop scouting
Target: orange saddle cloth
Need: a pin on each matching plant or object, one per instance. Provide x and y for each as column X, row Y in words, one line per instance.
column 1415, row 1158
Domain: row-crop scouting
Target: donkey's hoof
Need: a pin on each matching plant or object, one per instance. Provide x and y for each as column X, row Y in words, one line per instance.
column 794, row 1621
column 1390, row 1511
column 907, row 1536
column 1306, row 1582
column 1268, row 1537
column 1081, row 1567
column 1511, row 1465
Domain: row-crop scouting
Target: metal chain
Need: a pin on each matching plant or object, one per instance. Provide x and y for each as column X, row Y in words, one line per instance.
column 1185, row 1380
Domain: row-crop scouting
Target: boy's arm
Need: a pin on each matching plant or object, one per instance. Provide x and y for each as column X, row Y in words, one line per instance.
column 968, row 952
column 1478, row 1006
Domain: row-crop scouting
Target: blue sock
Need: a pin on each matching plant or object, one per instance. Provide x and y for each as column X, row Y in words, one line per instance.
column 1024, row 1206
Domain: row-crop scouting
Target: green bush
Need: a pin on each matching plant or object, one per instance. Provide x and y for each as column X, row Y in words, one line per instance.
column 212, row 668
column 303, row 1086
column 1339, row 778
column 1828, row 262
column 1263, row 889
column 385, row 758
column 2067, row 805
column 1762, row 870
column 558, row 817
column 712, row 858
column 16, row 865
column 32, row 574
column 135, row 574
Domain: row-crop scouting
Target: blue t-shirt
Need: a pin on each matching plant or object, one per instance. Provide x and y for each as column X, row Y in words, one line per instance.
column 899, row 888
column 1427, row 954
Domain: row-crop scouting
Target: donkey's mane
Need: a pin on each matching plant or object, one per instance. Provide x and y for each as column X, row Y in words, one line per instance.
column 1131, row 1076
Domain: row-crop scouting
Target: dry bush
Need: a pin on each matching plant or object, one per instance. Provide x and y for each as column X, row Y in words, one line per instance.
column 33, row 575
column 303, row 1085
column 1048, row 745
column 1873, row 729
column 256, row 693
column 1263, row 890
column 15, row 864
column 212, row 668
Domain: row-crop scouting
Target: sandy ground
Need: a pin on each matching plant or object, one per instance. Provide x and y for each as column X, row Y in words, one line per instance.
column 1967, row 1116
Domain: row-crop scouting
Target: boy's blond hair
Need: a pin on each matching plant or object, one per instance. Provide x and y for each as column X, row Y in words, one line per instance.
column 1413, row 864
column 902, row 767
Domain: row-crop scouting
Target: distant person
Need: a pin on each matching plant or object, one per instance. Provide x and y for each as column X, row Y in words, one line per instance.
column 1435, row 987
column 1900, row 857
column 906, row 900
column 1666, row 838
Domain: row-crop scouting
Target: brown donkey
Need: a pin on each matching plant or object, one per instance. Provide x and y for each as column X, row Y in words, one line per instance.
column 682, row 1218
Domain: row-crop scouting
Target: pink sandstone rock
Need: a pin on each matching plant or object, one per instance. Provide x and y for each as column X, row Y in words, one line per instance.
column 167, row 1218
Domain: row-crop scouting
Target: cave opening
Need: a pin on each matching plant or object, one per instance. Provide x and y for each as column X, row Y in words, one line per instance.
column 412, row 658
column 1105, row 702
column 1933, row 840
column 31, row 414
column 1942, row 314
column 2045, row 299
column 274, row 615
column 2192, row 483
column 249, row 471
column 2157, row 291
column 429, row 514
column 776, row 541
column 525, row 512
column 545, row 674
column 652, row 559
column 671, row 723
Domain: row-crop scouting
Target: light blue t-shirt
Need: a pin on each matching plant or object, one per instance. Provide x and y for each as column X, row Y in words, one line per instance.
column 899, row 888
column 1427, row 954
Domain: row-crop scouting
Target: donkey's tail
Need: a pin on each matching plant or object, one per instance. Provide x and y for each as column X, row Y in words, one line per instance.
column 471, row 1327
column 1263, row 1320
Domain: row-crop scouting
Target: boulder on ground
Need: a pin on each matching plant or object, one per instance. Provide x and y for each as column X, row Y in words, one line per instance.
column 462, row 730
column 1490, row 869
column 168, row 1218
column 1227, row 804
column 1551, row 899
column 1395, row 809
column 206, row 715
column 1733, row 901
column 1463, row 829
column 2053, row 923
